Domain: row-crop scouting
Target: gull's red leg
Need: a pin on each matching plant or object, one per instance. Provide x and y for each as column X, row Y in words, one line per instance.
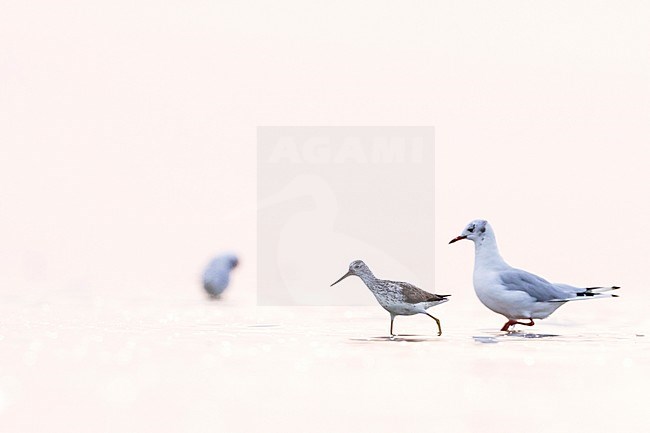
column 508, row 324
column 531, row 323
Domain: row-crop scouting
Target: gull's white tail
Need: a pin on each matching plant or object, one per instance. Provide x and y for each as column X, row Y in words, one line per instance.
column 587, row 293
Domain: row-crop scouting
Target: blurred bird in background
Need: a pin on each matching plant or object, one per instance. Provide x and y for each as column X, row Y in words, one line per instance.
column 216, row 276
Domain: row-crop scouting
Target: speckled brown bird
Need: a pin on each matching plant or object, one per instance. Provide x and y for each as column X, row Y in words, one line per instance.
column 398, row 298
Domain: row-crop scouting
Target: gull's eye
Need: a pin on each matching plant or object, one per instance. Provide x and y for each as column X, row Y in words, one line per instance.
column 470, row 229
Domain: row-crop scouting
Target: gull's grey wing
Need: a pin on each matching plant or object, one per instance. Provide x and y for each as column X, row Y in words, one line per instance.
column 414, row 295
column 536, row 287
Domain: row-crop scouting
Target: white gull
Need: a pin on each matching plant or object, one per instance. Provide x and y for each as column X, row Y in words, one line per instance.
column 515, row 293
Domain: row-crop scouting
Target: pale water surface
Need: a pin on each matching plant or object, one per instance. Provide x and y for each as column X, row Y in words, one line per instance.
column 76, row 362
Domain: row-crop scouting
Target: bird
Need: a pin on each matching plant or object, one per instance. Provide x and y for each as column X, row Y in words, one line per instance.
column 515, row 293
column 216, row 276
column 398, row 298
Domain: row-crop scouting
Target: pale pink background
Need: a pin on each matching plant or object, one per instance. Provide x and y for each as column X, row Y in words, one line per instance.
column 128, row 130
column 127, row 134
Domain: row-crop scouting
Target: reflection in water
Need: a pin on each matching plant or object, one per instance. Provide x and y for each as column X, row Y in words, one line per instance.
column 512, row 335
column 519, row 334
column 489, row 340
column 397, row 339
